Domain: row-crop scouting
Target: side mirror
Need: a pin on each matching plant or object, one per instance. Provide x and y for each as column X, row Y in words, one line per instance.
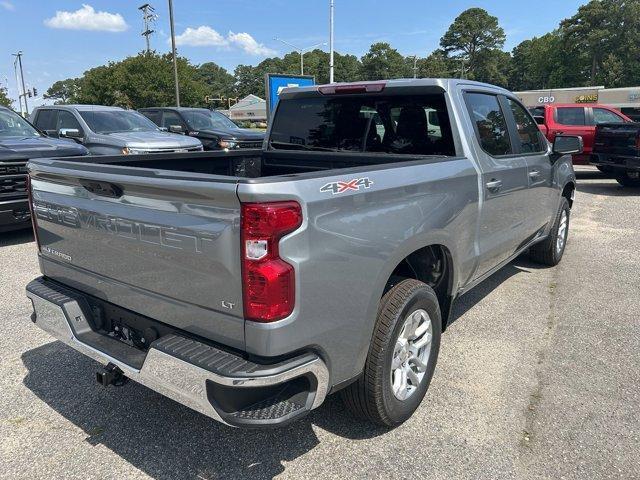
column 539, row 119
column 567, row 145
column 176, row 129
column 72, row 133
column 163, row 129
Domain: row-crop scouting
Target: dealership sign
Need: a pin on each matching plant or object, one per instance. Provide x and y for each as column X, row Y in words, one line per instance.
column 549, row 99
column 275, row 83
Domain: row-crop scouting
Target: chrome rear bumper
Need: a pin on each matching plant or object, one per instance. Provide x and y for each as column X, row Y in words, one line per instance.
column 185, row 370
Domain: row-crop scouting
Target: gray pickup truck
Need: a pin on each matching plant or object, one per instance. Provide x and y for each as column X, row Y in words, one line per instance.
column 249, row 285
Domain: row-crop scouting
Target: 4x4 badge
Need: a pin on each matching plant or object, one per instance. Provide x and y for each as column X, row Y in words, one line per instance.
column 345, row 186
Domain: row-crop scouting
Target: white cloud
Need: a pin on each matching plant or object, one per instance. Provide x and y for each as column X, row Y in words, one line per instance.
column 204, row 36
column 201, row 37
column 86, row 18
column 7, row 5
column 249, row 44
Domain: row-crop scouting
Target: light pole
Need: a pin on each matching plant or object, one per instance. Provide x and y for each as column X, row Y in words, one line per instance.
column 301, row 51
column 24, row 90
column 331, row 9
column 173, row 49
column 415, row 66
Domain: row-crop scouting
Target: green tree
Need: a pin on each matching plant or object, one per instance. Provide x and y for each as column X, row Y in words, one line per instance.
column 143, row 80
column 473, row 40
column 382, row 62
column 216, row 79
column 63, row 91
column 538, row 63
column 5, row 101
column 436, row 65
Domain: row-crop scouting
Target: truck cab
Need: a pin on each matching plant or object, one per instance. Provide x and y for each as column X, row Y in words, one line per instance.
column 575, row 119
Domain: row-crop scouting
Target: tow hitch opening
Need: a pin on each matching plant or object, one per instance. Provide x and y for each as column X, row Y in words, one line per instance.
column 111, row 375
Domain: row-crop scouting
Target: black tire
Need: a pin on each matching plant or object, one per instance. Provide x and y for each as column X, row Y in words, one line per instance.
column 547, row 251
column 625, row 180
column 371, row 397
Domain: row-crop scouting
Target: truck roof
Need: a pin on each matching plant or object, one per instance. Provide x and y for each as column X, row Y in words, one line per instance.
column 444, row 83
column 81, row 107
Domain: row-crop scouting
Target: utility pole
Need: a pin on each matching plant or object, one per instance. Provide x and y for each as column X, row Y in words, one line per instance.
column 148, row 18
column 173, row 49
column 415, row 66
column 331, row 9
column 24, row 89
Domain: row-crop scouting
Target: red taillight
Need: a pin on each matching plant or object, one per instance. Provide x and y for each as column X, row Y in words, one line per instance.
column 352, row 88
column 268, row 282
column 34, row 225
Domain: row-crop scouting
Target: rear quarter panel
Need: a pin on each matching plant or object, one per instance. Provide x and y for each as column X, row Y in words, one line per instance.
column 350, row 243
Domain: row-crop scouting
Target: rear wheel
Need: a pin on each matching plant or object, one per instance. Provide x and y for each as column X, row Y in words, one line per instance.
column 628, row 179
column 550, row 250
column 402, row 356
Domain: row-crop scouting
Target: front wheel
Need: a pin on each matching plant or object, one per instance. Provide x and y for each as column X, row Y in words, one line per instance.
column 402, row 356
column 550, row 250
column 628, row 179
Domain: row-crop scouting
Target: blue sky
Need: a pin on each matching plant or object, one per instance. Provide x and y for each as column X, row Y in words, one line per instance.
column 63, row 38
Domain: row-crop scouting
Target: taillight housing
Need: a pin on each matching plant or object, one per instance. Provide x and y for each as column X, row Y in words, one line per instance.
column 268, row 282
column 34, row 224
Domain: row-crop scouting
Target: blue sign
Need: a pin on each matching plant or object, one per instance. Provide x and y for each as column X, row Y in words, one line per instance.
column 275, row 83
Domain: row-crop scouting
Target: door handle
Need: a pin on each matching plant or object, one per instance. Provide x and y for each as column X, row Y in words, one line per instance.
column 494, row 184
column 534, row 174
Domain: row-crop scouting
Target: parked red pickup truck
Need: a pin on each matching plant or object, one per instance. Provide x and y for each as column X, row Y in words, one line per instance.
column 575, row 119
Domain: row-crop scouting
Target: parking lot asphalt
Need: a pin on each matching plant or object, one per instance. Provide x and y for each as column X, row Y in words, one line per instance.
column 538, row 377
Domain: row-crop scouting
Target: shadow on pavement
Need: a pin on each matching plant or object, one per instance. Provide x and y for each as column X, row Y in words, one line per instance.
column 522, row 264
column 165, row 439
column 610, row 188
column 16, row 237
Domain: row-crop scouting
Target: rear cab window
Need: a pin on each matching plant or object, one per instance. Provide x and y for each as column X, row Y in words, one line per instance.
column 391, row 124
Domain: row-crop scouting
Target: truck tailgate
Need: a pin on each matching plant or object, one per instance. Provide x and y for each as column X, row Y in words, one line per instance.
column 617, row 138
column 163, row 245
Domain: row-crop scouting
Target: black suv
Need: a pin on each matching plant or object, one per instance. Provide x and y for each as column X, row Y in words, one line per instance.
column 19, row 142
column 213, row 129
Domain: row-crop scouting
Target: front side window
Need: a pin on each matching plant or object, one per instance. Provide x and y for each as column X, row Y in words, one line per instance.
column 571, row 116
column 67, row 120
column 112, row 121
column 397, row 124
column 13, row 125
column 490, row 123
column 170, row 119
column 208, row 120
column 602, row 115
column 528, row 132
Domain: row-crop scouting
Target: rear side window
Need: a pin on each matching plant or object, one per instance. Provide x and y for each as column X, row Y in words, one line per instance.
column 528, row 132
column 489, row 122
column 602, row 115
column 398, row 124
column 571, row 116
column 154, row 115
column 47, row 119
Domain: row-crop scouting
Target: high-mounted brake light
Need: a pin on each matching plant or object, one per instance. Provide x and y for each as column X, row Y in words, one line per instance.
column 268, row 282
column 352, row 88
